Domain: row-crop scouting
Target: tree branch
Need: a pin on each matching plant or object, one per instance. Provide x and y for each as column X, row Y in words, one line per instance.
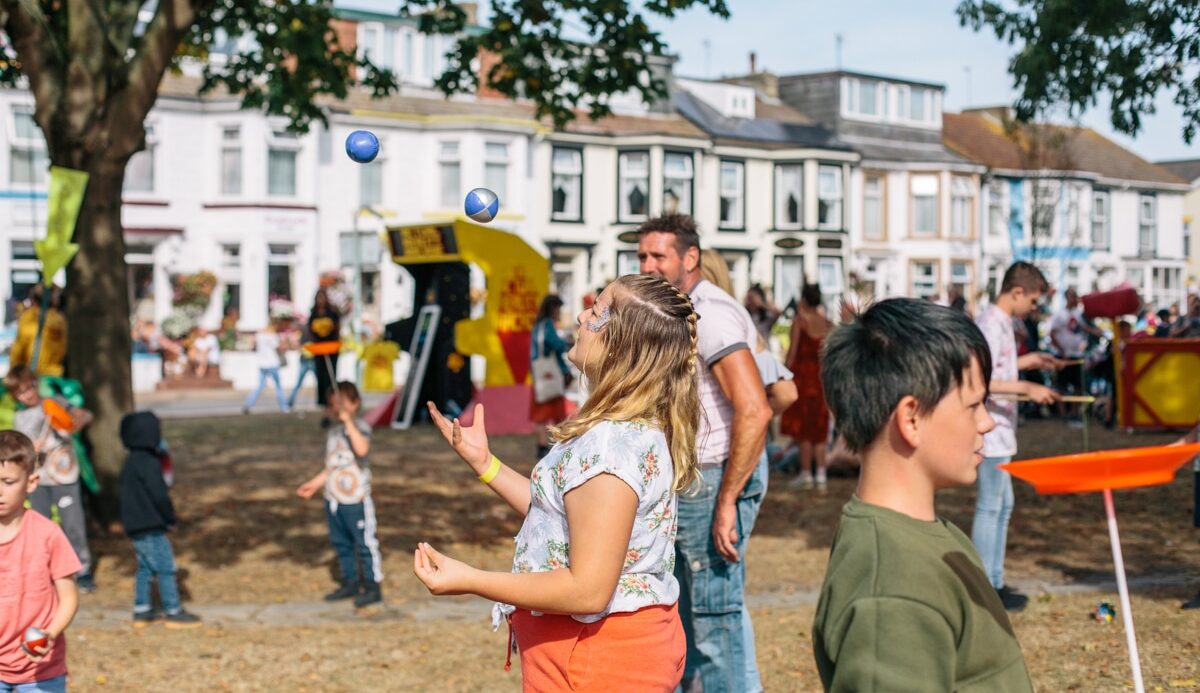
column 39, row 55
column 133, row 102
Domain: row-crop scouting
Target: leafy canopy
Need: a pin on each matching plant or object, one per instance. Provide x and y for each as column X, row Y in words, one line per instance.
column 562, row 55
column 1071, row 51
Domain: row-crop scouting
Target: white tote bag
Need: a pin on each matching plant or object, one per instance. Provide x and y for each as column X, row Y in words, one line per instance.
column 548, row 379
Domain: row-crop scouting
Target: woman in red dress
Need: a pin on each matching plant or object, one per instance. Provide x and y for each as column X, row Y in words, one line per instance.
column 807, row 421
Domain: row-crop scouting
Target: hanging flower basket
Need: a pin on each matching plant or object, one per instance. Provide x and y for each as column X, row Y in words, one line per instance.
column 193, row 289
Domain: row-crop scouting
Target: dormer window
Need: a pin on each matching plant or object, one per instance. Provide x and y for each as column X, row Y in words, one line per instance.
column 861, row 97
column 881, row 101
column 916, row 104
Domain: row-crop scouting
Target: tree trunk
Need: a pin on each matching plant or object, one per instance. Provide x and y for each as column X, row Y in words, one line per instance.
column 98, row 318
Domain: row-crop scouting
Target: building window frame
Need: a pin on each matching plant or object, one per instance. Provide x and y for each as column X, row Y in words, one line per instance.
column 625, row 213
column 281, row 142
column 936, row 282
column 998, row 213
column 836, row 200
column 962, row 208
column 913, row 180
column 143, row 160
column 282, row 255
column 831, row 275
column 969, row 285
column 496, row 161
column 881, row 199
column 570, row 176
column 371, row 182
column 1101, row 219
column 689, row 159
column 623, row 257
column 231, row 159
column 735, row 222
column 779, row 213
column 32, row 145
column 449, row 171
column 781, row 264
column 1147, row 224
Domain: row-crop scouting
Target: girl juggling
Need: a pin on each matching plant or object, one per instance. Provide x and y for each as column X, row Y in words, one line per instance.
column 591, row 598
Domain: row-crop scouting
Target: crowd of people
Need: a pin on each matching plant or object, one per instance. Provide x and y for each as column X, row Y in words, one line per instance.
column 629, row 568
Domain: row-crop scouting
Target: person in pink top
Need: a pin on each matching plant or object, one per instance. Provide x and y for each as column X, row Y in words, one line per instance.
column 37, row 578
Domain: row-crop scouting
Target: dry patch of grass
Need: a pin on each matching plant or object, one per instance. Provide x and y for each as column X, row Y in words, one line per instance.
column 248, row 539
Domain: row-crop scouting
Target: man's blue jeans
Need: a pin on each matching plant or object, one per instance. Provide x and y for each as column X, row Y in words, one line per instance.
column 993, row 509
column 155, row 560
column 263, row 375
column 711, row 600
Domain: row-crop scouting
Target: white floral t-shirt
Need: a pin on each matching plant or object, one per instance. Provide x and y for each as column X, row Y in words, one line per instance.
column 997, row 328
column 636, row 454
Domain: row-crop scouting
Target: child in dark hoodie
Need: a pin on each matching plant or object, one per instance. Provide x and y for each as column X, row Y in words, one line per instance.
column 147, row 514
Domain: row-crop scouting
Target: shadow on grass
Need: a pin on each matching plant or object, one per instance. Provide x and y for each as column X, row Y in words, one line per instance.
column 237, row 480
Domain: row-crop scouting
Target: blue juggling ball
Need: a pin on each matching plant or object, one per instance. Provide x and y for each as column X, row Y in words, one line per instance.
column 362, row 146
column 482, row 205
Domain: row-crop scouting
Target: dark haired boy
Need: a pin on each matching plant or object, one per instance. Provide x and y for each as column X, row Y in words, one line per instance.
column 37, row 587
column 1020, row 290
column 905, row 605
column 349, row 510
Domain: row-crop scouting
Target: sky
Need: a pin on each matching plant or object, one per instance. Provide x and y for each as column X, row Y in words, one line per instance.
column 917, row 40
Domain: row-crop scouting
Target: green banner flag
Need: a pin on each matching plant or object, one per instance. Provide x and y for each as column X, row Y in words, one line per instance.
column 66, row 196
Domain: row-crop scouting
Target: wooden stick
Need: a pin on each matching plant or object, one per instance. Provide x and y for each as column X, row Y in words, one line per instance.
column 1071, row 362
column 1071, row 399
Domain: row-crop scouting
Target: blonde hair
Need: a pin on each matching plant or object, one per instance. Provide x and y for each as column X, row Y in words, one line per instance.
column 714, row 268
column 648, row 372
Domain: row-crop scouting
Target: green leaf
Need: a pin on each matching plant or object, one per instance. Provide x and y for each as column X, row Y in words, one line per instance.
column 1068, row 53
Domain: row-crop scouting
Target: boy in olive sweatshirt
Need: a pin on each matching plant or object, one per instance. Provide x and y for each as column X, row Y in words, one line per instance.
column 906, row 605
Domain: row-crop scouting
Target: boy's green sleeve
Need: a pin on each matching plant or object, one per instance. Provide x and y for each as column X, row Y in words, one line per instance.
column 891, row 644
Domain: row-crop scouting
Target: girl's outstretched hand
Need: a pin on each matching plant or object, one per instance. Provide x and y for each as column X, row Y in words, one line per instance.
column 469, row 442
column 441, row 575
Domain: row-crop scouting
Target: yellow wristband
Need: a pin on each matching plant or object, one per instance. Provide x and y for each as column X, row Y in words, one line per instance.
column 492, row 470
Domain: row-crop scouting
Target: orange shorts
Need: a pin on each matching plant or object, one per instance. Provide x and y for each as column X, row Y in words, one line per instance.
column 639, row 651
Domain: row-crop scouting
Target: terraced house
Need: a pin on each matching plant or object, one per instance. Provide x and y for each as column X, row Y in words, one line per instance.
column 1089, row 212
column 912, row 202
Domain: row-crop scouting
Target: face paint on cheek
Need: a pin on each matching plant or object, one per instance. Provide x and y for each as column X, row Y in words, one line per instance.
column 600, row 318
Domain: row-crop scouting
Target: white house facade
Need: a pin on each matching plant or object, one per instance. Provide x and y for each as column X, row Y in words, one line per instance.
column 913, row 221
column 231, row 191
column 1090, row 213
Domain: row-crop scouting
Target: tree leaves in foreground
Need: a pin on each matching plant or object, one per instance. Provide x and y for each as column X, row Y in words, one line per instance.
column 1069, row 52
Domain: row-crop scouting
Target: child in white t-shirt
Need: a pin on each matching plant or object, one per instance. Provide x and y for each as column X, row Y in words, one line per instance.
column 267, row 352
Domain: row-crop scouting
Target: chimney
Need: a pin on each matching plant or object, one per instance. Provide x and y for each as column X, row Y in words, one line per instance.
column 487, row 60
column 1002, row 114
column 471, row 9
column 347, row 35
column 753, row 62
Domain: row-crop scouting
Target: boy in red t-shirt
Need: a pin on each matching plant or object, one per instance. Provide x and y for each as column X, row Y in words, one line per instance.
column 37, row 569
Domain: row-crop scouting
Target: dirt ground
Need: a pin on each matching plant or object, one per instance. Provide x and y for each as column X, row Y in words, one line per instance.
column 246, row 538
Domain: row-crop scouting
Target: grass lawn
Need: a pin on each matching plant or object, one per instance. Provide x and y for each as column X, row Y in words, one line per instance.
column 246, row 538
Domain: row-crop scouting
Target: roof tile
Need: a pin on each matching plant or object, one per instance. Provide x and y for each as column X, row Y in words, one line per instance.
column 997, row 142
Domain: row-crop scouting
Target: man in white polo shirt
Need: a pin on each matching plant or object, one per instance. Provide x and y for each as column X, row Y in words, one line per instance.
column 715, row 522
